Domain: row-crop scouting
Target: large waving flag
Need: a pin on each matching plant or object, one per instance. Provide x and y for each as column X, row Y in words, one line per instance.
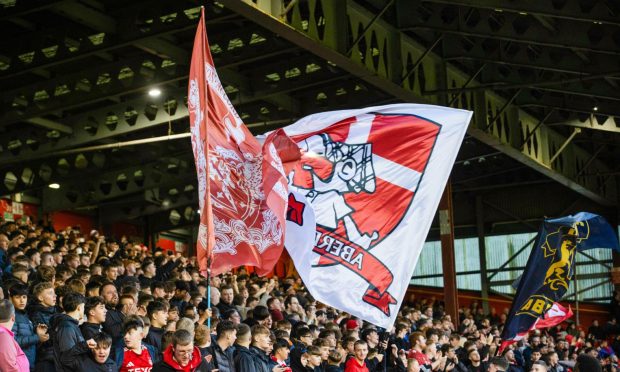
column 551, row 267
column 242, row 185
column 363, row 198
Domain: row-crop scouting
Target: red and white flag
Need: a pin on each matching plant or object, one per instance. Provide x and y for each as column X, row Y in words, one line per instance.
column 242, row 186
column 554, row 316
column 363, row 198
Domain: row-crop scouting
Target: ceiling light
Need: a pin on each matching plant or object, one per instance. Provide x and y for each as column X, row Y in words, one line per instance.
column 154, row 92
column 595, row 108
column 54, row 186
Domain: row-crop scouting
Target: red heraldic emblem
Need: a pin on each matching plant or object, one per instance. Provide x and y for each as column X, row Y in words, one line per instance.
column 242, row 187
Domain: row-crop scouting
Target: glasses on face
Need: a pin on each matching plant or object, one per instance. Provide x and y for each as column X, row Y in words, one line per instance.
column 183, row 352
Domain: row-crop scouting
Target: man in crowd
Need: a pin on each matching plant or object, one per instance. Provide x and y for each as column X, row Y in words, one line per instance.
column 12, row 358
column 358, row 362
column 95, row 312
column 222, row 350
column 113, row 324
column 243, row 357
column 40, row 312
column 182, row 355
column 226, row 299
column 64, row 327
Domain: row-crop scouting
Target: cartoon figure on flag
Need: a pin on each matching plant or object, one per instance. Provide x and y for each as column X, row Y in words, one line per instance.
column 361, row 175
column 352, row 172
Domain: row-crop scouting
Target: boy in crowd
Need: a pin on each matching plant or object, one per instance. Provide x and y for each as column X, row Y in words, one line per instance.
column 91, row 356
column 133, row 354
column 26, row 334
column 95, row 312
column 157, row 312
column 64, row 328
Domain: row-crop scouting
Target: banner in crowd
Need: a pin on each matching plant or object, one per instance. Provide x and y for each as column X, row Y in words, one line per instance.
column 242, row 186
column 551, row 267
column 552, row 317
column 363, row 199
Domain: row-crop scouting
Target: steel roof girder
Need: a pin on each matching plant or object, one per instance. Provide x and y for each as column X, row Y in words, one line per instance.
column 571, row 10
column 161, row 221
column 118, row 212
column 88, row 192
column 572, row 36
column 91, row 126
column 610, row 124
column 546, row 58
column 505, row 141
column 70, row 49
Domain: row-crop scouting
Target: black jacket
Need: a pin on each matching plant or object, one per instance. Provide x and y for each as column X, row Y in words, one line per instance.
column 295, row 357
column 40, row 314
column 65, row 335
column 244, row 359
column 80, row 358
column 262, row 362
column 225, row 307
column 153, row 338
column 90, row 330
column 113, row 324
column 223, row 359
column 331, row 368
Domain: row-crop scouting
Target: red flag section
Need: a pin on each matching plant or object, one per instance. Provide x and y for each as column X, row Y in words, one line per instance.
column 554, row 316
column 242, row 185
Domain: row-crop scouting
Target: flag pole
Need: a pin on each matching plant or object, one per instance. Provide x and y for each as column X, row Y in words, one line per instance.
column 576, row 288
column 205, row 94
column 209, row 291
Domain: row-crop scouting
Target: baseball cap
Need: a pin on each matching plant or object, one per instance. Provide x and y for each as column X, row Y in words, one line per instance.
column 352, row 324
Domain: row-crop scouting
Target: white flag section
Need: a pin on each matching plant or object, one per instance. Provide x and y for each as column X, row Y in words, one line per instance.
column 373, row 178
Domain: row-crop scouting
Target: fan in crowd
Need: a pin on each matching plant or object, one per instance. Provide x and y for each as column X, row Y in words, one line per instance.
column 87, row 303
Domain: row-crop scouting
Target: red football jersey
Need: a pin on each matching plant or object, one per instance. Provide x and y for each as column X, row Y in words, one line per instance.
column 133, row 362
column 352, row 365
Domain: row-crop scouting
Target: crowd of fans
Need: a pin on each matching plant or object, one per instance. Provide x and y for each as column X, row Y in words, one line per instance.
column 86, row 303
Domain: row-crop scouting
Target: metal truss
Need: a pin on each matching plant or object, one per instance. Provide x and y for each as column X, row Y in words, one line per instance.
column 511, row 26
column 506, row 53
column 151, row 202
column 608, row 124
column 588, row 85
column 123, row 78
column 166, row 173
column 87, row 86
column 74, row 168
column 385, row 54
column 595, row 12
column 54, row 47
column 172, row 219
column 264, row 95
